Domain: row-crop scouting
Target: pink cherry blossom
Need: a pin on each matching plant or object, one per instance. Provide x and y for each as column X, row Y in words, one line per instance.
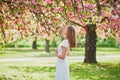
column 58, row 9
column 27, row 2
column 35, row 2
column 68, row 2
column 48, row 1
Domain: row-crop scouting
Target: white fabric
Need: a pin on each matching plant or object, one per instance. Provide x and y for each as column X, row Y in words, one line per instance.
column 62, row 66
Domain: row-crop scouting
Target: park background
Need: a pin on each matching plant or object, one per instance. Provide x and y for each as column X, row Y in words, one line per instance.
column 30, row 33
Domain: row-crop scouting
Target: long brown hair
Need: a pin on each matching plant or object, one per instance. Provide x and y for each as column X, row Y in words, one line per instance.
column 71, row 36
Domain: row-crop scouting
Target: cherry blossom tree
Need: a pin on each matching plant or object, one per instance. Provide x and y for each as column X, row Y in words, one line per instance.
column 16, row 22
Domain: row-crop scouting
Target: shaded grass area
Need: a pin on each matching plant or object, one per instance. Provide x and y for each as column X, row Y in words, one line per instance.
column 78, row 71
column 103, row 71
column 27, row 52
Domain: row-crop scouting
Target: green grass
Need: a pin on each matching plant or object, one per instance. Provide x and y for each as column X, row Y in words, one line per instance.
column 27, row 52
column 24, row 53
column 78, row 71
column 103, row 71
column 107, row 68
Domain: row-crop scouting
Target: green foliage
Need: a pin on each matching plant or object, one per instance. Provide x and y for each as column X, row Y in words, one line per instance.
column 109, row 42
column 2, row 45
column 19, row 43
column 1, row 0
column 28, row 43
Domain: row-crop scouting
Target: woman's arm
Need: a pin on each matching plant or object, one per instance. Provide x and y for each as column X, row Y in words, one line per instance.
column 64, row 51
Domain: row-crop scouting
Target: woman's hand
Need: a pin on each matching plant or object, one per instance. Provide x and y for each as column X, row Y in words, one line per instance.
column 64, row 51
column 56, row 53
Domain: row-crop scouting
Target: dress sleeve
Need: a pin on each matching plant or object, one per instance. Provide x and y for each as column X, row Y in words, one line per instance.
column 65, row 43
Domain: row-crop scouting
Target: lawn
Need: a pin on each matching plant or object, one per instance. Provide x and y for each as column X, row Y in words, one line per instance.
column 108, row 67
column 78, row 71
column 27, row 52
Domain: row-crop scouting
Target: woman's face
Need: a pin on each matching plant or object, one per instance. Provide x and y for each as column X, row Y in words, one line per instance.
column 64, row 32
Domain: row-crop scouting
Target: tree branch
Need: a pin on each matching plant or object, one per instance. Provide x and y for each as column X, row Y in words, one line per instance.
column 98, row 7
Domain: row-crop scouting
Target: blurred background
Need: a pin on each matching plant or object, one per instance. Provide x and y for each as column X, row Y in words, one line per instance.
column 30, row 34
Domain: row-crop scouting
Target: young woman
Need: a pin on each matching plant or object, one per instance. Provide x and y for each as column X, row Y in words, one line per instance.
column 69, row 41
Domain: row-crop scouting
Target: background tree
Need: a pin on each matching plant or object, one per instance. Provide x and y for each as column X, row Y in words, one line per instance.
column 16, row 22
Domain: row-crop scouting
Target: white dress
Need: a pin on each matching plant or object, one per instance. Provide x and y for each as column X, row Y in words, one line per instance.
column 62, row 67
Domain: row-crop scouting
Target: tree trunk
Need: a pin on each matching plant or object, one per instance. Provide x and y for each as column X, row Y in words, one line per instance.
column 90, row 44
column 47, row 45
column 34, row 45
